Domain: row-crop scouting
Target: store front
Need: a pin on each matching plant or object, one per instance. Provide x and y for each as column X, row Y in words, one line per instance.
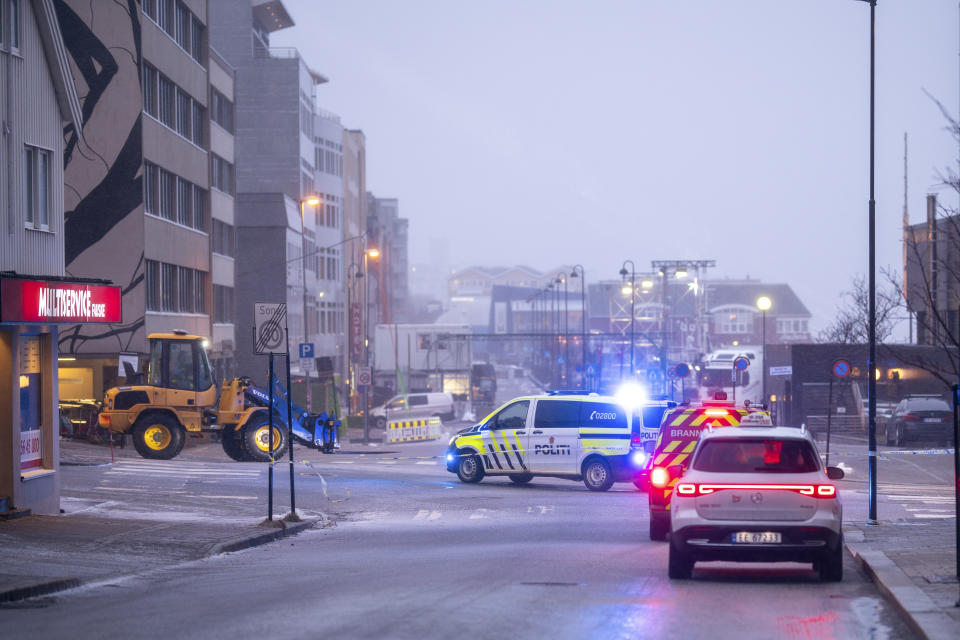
column 31, row 309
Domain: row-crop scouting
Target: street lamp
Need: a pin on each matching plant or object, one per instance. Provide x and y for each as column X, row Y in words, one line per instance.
column 872, row 307
column 633, row 277
column 763, row 303
column 561, row 279
column 583, row 322
column 374, row 253
column 353, row 272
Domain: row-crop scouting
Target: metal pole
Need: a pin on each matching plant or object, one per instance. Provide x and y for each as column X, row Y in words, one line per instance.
column 872, row 338
column 956, row 478
column 270, row 429
column 763, row 370
column 829, row 412
column 566, row 335
column 663, row 334
column 633, row 314
column 583, row 328
column 292, row 516
column 366, row 347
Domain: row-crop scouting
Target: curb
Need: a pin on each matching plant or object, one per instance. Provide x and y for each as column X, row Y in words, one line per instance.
column 283, row 529
column 925, row 618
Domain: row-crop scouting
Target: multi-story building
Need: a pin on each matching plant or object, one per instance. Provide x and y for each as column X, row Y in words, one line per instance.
column 281, row 139
column 40, row 104
column 149, row 178
column 388, row 232
column 479, row 280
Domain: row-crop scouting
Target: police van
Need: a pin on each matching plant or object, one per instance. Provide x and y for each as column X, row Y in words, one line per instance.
column 576, row 436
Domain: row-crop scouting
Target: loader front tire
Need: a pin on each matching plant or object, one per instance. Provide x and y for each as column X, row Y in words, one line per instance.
column 158, row 437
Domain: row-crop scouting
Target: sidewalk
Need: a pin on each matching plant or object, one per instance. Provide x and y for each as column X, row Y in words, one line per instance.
column 914, row 565
column 44, row 554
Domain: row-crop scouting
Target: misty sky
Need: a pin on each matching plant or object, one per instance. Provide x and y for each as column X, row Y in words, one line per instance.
column 547, row 132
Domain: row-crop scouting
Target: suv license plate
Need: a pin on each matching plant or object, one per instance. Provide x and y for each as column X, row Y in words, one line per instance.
column 933, row 419
column 758, row 537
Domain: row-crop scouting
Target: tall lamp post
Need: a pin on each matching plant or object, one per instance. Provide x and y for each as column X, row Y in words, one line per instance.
column 583, row 322
column 562, row 279
column 553, row 331
column 872, row 307
column 353, row 272
column 633, row 293
column 368, row 253
column 763, row 303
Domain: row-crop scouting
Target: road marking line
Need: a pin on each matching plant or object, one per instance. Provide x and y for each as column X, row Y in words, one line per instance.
column 480, row 513
column 933, row 515
column 386, row 462
column 426, row 462
column 543, row 509
column 426, row 514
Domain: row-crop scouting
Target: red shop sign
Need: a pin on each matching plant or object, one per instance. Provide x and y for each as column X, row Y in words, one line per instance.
column 58, row 302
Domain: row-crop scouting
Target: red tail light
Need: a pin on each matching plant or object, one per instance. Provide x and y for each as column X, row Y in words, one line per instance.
column 659, row 477
column 717, row 412
column 817, row 490
column 636, row 440
column 912, row 418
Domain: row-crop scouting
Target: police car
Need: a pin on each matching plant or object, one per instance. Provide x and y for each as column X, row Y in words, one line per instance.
column 568, row 435
column 678, row 435
column 756, row 493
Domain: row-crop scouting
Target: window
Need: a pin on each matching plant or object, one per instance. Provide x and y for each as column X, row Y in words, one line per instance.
column 186, row 290
column 196, row 39
column 167, row 194
column 36, row 187
column 181, row 365
column 153, row 285
column 150, row 188
column 199, row 208
column 222, row 304
column 155, row 371
column 184, row 115
column 168, row 287
column 166, row 98
column 221, row 110
column 198, row 114
column 734, row 321
column 223, row 238
column 512, row 417
column 184, row 202
column 150, row 90
column 181, row 27
column 221, row 174
column 749, row 455
column 14, row 19
column 603, row 414
column 417, row 400
column 557, row 414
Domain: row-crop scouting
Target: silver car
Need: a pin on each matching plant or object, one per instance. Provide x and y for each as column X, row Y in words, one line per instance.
column 413, row 406
column 756, row 494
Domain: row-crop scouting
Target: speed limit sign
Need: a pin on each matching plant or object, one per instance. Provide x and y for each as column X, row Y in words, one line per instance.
column 364, row 376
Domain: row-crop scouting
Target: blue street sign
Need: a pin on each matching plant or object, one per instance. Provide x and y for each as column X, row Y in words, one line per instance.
column 306, row 349
column 683, row 370
column 841, row 368
column 741, row 363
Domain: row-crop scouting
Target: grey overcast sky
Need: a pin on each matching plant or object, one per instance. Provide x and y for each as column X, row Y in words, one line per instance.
column 546, row 132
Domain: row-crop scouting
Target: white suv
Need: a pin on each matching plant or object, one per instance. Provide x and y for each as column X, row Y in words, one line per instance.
column 756, row 494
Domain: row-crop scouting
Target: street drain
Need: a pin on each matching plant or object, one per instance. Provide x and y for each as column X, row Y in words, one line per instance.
column 552, row 584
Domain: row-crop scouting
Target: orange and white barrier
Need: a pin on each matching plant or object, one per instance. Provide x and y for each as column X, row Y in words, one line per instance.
column 414, row 430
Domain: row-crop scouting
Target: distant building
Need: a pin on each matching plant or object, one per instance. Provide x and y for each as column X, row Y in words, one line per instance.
column 388, row 232
column 931, row 253
column 480, row 280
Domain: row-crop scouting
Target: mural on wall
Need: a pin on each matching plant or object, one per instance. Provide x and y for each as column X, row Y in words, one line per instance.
column 103, row 167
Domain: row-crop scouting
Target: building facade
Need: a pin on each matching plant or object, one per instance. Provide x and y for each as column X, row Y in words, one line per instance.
column 40, row 104
column 150, row 179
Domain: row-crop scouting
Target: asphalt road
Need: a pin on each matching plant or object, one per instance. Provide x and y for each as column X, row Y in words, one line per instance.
column 411, row 552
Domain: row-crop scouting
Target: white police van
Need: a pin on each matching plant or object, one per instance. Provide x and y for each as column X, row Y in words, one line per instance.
column 576, row 436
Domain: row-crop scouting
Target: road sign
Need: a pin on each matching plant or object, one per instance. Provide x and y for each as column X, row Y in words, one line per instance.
column 306, row 350
column 841, row 368
column 742, row 363
column 364, row 376
column 781, row 371
column 306, row 365
column 269, row 321
column 682, row 370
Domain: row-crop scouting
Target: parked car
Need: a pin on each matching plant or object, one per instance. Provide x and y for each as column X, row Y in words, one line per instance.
column 919, row 418
column 413, row 406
